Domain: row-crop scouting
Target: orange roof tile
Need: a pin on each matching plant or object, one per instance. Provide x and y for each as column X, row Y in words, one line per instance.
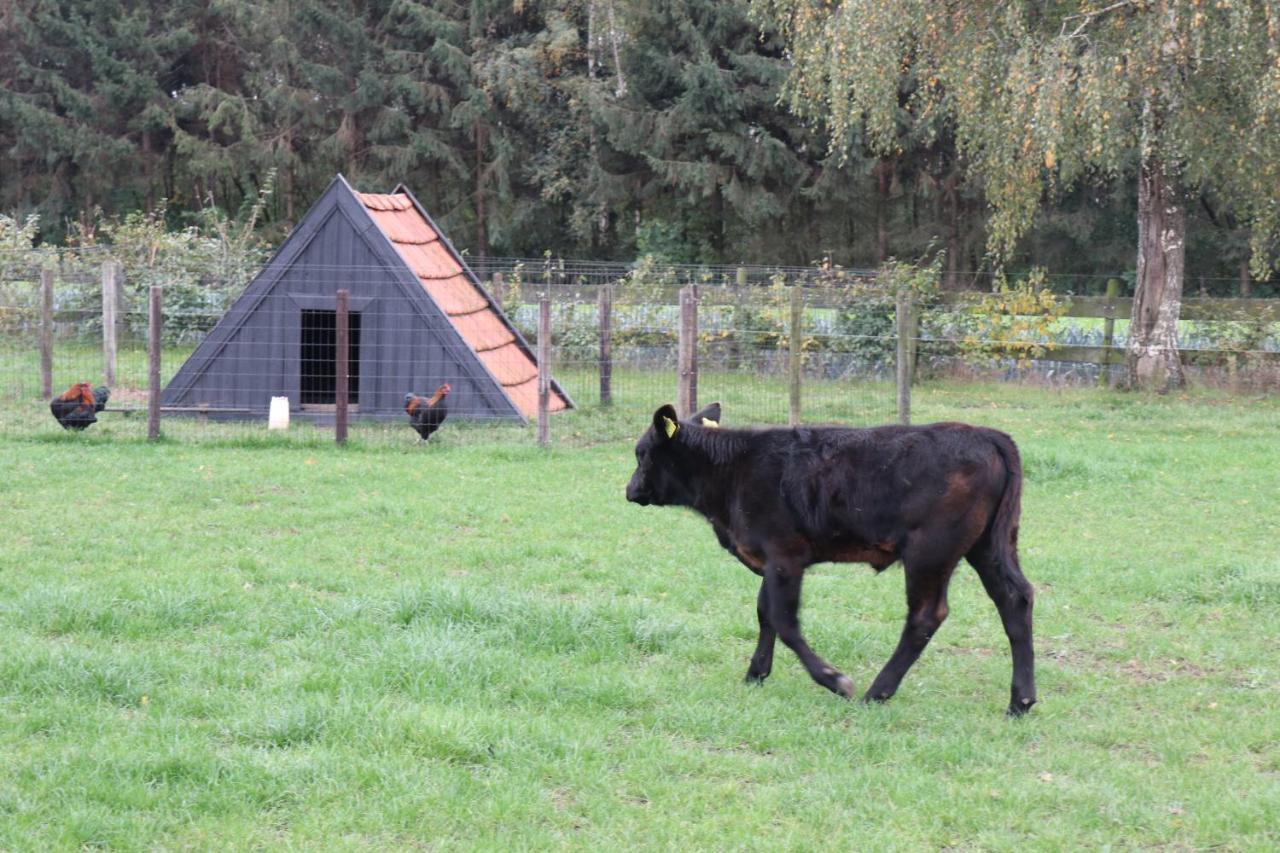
column 449, row 285
column 483, row 330
column 452, row 297
column 380, row 201
column 430, row 260
column 404, row 226
column 509, row 364
column 525, row 396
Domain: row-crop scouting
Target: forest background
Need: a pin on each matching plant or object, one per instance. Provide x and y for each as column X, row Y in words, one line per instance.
column 601, row 129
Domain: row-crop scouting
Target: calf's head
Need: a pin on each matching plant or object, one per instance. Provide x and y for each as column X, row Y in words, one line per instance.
column 665, row 460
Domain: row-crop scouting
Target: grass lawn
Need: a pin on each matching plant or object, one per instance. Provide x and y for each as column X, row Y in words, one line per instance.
column 479, row 644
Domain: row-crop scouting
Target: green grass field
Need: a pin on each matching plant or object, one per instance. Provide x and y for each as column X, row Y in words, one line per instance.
column 271, row 642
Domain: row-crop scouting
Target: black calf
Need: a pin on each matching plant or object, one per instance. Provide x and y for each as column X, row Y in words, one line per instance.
column 781, row 500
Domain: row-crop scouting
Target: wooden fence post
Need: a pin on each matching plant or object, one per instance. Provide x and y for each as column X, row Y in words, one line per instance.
column 340, row 366
column 1108, row 331
column 913, row 338
column 154, row 321
column 604, row 310
column 544, row 369
column 903, row 316
column 797, row 344
column 687, row 367
column 741, row 277
column 110, row 289
column 497, row 289
column 46, row 333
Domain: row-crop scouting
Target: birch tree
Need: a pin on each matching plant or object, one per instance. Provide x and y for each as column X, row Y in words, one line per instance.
column 1180, row 96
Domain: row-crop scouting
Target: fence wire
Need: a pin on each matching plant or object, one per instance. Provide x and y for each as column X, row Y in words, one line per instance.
column 763, row 339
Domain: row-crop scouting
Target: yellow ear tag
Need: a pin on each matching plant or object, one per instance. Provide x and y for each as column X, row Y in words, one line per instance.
column 710, row 424
column 670, row 426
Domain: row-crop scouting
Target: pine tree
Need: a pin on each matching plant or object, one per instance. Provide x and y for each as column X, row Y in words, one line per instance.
column 88, row 104
column 532, row 132
column 695, row 149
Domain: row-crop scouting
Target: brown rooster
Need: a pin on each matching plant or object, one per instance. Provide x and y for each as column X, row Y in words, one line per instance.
column 78, row 406
column 427, row 413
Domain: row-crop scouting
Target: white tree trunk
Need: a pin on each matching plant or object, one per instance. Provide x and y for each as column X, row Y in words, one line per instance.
column 1152, row 357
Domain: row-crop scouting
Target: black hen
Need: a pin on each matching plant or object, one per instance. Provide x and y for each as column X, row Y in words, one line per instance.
column 79, row 405
column 427, row 413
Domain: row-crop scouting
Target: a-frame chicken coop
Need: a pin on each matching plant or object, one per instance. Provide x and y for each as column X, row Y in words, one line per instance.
column 418, row 317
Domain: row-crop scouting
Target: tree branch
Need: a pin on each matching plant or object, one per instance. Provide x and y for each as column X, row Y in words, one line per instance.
column 1087, row 18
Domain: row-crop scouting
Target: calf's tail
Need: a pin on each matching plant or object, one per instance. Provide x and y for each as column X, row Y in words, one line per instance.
column 1004, row 526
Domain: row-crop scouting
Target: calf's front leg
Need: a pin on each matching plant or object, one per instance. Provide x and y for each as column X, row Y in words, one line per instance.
column 783, row 584
column 762, row 660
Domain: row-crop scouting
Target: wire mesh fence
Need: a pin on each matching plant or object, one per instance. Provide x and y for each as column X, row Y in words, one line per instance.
column 774, row 345
column 740, row 343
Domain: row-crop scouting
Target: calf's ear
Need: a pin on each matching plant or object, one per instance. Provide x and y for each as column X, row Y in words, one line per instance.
column 665, row 422
column 710, row 413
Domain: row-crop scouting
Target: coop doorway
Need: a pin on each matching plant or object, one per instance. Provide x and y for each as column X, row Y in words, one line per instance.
column 318, row 359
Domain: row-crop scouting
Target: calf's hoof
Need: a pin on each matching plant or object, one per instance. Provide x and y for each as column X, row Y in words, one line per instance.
column 1018, row 707
column 836, row 681
column 758, row 671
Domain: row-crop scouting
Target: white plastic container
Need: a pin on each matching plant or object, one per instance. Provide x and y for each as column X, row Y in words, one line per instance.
column 278, row 415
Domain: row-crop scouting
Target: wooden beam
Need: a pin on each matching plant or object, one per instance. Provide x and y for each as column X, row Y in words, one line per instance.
column 110, row 291
column 604, row 312
column 498, row 290
column 340, row 366
column 687, row 366
column 1099, row 355
column 796, row 344
column 153, row 362
column 46, row 333
column 544, row 370
column 902, row 311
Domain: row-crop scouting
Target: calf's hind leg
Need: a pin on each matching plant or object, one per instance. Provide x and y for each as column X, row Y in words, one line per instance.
column 783, row 585
column 1014, row 598
column 926, row 610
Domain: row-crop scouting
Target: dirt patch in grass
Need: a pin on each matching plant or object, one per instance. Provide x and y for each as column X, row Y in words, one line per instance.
column 982, row 652
column 1140, row 672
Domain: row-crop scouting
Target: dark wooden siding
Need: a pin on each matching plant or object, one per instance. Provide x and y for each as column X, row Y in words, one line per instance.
column 407, row 343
